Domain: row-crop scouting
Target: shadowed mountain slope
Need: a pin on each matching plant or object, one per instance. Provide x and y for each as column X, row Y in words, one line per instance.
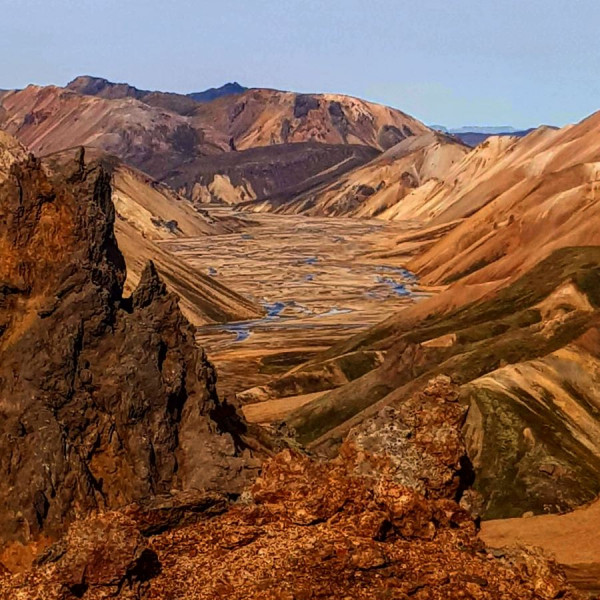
column 279, row 171
column 98, row 86
column 102, row 88
column 474, row 138
column 227, row 89
column 381, row 186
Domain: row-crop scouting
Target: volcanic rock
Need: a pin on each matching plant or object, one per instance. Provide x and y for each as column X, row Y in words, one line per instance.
column 104, row 399
column 308, row 530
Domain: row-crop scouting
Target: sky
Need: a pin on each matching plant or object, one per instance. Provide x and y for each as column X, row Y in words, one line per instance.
column 450, row 62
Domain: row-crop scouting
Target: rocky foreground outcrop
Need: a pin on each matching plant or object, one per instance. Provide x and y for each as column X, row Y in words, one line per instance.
column 104, row 399
column 368, row 524
column 307, row 530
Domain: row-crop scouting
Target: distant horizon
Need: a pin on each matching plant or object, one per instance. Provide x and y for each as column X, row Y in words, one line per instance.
column 511, row 62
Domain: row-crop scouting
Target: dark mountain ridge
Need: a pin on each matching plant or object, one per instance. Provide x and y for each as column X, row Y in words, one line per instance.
column 228, row 89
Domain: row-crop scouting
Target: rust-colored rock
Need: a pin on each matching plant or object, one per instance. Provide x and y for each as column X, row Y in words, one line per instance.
column 102, row 557
column 309, row 530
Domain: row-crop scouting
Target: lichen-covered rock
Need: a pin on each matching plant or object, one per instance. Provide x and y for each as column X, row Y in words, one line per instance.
column 309, row 530
column 418, row 442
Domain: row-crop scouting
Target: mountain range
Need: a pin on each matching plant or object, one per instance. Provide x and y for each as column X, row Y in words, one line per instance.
column 98, row 86
column 489, row 129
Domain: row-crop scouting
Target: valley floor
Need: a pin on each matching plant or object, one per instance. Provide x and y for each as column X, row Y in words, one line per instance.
column 316, row 279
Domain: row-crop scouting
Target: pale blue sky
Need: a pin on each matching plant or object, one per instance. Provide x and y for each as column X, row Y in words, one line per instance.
column 453, row 62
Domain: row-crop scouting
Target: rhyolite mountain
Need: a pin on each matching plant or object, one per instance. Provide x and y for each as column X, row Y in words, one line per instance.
column 182, row 142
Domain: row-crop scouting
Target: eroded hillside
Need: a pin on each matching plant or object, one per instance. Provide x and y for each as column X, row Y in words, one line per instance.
column 387, row 187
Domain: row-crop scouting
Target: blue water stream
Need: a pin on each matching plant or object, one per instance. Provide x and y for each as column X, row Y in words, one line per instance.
column 243, row 329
